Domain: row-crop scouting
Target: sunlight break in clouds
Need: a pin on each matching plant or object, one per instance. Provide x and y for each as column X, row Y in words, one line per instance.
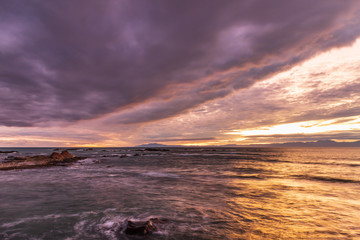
column 308, row 127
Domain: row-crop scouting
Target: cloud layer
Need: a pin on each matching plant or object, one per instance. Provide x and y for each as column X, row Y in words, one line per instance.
column 67, row 61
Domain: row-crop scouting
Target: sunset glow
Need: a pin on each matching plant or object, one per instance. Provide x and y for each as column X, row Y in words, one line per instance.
column 244, row 79
column 310, row 127
column 182, row 119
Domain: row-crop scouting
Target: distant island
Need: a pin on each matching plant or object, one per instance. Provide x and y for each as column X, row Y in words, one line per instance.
column 155, row 145
column 319, row 143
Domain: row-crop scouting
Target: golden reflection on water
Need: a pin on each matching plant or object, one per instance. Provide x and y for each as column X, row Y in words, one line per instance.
column 286, row 207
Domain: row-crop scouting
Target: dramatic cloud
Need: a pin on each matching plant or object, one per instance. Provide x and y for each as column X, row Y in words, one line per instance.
column 315, row 100
column 66, row 61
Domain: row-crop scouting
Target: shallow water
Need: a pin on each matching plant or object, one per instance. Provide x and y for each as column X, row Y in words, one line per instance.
column 203, row 193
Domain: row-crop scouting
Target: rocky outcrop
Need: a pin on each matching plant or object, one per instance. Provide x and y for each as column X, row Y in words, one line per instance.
column 55, row 159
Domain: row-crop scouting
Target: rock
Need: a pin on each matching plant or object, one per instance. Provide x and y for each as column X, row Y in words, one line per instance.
column 61, row 156
column 140, row 228
column 158, row 220
column 66, row 154
column 56, row 156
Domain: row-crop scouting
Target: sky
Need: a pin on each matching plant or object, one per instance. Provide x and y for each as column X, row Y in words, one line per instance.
column 118, row 73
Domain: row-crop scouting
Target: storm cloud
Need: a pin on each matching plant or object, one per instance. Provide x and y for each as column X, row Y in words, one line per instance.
column 66, row 61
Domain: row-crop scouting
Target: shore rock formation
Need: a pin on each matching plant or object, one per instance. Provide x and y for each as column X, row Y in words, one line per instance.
column 55, row 159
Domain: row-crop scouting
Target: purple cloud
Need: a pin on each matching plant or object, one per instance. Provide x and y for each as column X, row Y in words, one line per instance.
column 65, row 61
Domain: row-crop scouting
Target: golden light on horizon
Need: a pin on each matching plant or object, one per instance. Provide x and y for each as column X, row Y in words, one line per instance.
column 305, row 127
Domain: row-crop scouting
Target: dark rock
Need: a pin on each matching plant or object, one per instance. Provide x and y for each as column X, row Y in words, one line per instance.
column 157, row 149
column 9, row 152
column 158, row 220
column 140, row 228
column 151, row 149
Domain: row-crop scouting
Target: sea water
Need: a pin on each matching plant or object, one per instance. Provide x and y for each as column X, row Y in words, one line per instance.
column 201, row 193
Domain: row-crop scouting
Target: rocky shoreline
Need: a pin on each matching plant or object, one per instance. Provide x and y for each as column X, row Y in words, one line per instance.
column 55, row 159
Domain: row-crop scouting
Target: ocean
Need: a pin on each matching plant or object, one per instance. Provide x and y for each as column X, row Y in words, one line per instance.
column 198, row 193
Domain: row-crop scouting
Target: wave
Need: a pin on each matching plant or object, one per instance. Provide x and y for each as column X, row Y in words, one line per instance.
column 248, row 170
column 247, row 177
column 45, row 217
column 88, row 225
column 331, row 164
column 327, row 179
column 88, row 160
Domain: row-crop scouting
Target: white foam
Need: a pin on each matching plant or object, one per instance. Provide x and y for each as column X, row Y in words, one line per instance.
column 88, row 161
column 113, row 175
column 160, row 174
column 46, row 217
column 109, row 226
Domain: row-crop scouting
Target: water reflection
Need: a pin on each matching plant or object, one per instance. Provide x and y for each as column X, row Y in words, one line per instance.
column 204, row 193
column 282, row 203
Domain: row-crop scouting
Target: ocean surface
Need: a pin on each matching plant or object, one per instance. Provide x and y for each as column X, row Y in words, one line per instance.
column 200, row 193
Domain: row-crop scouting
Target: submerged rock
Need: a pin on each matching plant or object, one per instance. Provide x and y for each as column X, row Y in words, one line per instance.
column 139, row 228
